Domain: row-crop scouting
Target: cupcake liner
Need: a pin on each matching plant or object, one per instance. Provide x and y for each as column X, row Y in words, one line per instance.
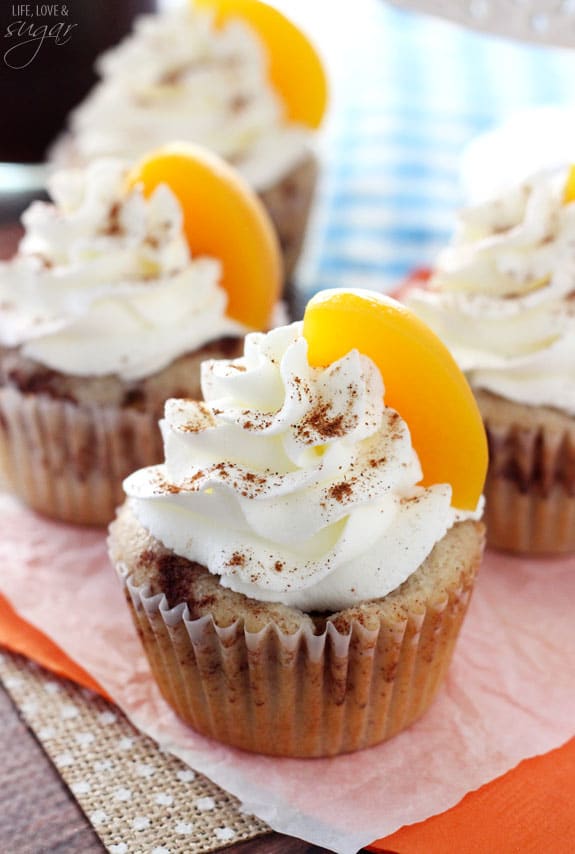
column 530, row 487
column 68, row 461
column 288, row 202
column 299, row 694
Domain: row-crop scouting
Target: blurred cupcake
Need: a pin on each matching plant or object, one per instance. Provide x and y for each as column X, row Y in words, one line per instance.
column 104, row 314
column 246, row 84
column 296, row 591
column 501, row 298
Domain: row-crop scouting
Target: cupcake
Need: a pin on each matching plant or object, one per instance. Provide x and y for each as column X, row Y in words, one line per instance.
column 106, row 311
column 297, row 577
column 242, row 81
column 501, row 298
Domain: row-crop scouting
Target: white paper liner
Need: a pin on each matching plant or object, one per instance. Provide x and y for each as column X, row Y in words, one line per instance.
column 288, row 203
column 300, row 694
column 68, row 461
column 530, row 488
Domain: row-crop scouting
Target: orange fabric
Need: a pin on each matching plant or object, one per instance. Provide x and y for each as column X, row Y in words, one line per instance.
column 528, row 810
column 19, row 636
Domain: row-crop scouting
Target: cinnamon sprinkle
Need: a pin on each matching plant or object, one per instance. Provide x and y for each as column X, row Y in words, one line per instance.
column 320, row 422
column 114, row 226
column 341, row 491
column 239, row 103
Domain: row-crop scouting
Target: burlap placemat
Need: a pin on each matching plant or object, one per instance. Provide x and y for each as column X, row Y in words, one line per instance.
column 137, row 798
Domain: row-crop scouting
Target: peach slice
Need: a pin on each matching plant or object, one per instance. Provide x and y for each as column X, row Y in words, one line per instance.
column 295, row 69
column 569, row 192
column 422, row 382
column 223, row 218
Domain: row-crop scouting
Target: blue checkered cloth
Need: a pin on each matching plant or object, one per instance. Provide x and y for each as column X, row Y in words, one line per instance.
column 410, row 92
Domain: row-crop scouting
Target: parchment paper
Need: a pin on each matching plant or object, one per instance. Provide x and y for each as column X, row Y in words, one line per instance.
column 510, row 692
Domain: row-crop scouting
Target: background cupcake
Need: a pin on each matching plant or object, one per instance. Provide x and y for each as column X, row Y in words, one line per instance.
column 296, row 591
column 245, row 83
column 105, row 313
column 502, row 300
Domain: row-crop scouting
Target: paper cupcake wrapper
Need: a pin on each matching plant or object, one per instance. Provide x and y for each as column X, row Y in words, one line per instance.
column 288, row 202
column 299, row 695
column 530, row 489
column 68, row 461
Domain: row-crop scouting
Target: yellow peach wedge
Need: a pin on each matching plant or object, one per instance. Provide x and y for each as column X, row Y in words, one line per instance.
column 422, row 382
column 295, row 69
column 569, row 192
column 223, row 218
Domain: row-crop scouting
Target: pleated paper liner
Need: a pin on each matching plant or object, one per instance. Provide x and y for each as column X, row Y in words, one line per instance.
column 306, row 694
column 530, row 488
column 68, row 461
column 289, row 202
column 137, row 798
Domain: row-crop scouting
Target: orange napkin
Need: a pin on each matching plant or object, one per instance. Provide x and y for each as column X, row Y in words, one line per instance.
column 529, row 809
column 21, row 637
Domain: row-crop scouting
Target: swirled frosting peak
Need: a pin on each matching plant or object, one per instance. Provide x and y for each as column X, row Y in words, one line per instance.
column 103, row 282
column 292, row 483
column 179, row 77
column 502, row 294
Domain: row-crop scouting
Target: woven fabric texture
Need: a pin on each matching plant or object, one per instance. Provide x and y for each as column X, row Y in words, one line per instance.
column 137, row 798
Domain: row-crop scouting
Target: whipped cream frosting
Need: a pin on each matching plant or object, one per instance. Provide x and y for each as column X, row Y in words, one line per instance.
column 502, row 295
column 103, row 282
column 178, row 77
column 294, row 484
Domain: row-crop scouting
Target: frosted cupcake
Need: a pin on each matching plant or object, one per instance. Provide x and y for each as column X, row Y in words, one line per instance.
column 297, row 588
column 104, row 314
column 502, row 300
column 244, row 83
